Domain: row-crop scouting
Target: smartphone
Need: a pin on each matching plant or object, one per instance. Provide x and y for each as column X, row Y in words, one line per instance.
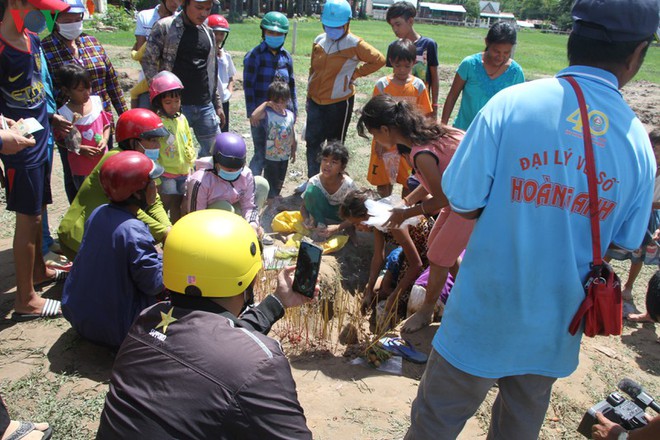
column 307, row 269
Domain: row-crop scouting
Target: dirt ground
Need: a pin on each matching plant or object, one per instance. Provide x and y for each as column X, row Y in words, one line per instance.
column 47, row 372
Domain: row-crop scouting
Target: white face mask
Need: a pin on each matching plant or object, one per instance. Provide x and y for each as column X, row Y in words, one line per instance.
column 70, row 31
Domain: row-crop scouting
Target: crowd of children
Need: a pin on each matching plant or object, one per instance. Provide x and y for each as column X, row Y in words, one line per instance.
column 408, row 147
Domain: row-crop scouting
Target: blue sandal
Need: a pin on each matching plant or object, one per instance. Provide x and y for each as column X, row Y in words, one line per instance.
column 403, row 348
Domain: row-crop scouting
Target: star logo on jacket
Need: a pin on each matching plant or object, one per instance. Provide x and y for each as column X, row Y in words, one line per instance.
column 166, row 319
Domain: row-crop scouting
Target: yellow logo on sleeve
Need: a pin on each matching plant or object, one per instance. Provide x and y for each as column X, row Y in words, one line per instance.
column 14, row 78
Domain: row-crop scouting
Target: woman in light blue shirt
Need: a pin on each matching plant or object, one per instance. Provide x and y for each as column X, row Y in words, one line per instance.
column 482, row 75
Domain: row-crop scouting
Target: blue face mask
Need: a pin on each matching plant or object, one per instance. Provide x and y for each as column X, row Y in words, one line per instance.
column 152, row 154
column 274, row 42
column 229, row 176
column 334, row 33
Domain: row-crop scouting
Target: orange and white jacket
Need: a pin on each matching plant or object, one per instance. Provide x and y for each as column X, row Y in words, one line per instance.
column 335, row 67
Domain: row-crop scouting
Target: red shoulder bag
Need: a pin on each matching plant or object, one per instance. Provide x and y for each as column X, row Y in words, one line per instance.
column 602, row 308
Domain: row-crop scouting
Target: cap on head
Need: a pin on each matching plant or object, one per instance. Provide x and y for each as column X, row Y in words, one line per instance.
column 211, row 253
column 615, row 20
column 164, row 82
column 76, row 6
column 336, row 13
column 229, row 150
column 218, row 23
column 125, row 173
column 139, row 123
column 51, row 5
column 276, row 22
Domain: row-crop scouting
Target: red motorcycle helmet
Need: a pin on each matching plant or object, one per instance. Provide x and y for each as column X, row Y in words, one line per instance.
column 139, row 123
column 218, row 23
column 127, row 172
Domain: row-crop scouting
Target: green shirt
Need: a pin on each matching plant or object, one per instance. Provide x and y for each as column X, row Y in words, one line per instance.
column 177, row 152
column 90, row 196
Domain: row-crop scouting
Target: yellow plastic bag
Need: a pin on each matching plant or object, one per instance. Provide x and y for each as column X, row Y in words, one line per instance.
column 289, row 221
column 333, row 244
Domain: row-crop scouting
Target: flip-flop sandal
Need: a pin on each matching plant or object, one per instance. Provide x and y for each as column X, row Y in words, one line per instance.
column 400, row 346
column 640, row 321
column 25, row 428
column 60, row 276
column 52, row 309
column 57, row 261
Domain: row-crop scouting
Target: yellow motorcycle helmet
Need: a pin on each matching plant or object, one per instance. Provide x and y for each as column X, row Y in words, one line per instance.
column 211, row 253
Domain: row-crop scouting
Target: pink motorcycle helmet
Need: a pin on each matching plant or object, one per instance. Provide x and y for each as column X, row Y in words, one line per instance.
column 164, row 82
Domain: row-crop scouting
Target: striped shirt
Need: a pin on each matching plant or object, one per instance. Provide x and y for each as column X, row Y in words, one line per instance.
column 93, row 58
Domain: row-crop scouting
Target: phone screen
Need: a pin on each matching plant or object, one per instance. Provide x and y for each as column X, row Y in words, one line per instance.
column 307, row 269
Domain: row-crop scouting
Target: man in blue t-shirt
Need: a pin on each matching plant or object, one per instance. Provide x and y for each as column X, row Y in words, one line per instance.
column 520, row 172
column 401, row 16
column 27, row 173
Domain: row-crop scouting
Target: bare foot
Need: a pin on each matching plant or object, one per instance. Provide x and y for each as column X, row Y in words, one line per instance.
column 420, row 319
column 639, row 317
column 626, row 294
column 36, row 434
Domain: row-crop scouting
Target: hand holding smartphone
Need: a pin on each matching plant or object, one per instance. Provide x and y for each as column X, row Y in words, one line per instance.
column 308, row 266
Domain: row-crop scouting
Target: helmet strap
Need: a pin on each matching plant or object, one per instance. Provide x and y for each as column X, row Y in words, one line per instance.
column 141, row 201
column 248, row 298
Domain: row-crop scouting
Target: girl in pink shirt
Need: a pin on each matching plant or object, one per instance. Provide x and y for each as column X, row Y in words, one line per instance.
column 428, row 147
column 92, row 123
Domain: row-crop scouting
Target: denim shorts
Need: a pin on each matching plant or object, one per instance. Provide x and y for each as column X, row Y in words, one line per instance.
column 172, row 185
column 28, row 190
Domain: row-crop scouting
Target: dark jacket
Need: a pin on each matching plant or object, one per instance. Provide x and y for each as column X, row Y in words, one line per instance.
column 204, row 375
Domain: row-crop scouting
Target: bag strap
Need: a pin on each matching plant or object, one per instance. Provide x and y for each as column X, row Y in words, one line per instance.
column 590, row 168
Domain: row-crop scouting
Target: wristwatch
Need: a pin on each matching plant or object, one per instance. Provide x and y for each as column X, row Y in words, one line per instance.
column 623, row 436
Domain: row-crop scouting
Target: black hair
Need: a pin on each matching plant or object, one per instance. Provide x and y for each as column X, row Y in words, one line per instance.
column 384, row 110
column 71, row 75
column 501, row 32
column 157, row 102
column 653, row 297
column 279, row 91
column 402, row 50
column 336, row 150
column 591, row 52
column 401, row 9
column 654, row 137
column 354, row 205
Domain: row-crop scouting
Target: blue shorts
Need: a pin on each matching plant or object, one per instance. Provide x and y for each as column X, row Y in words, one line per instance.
column 28, row 190
column 172, row 185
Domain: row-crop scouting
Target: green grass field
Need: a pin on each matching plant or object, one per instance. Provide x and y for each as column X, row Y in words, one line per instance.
column 539, row 54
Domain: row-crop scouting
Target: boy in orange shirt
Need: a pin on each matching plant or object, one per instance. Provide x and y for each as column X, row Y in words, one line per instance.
column 385, row 164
